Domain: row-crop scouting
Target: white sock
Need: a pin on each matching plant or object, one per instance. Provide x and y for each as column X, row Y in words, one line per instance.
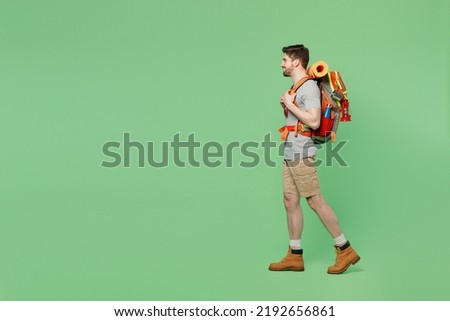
column 295, row 244
column 340, row 240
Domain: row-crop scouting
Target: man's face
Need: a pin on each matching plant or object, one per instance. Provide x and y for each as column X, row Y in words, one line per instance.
column 287, row 65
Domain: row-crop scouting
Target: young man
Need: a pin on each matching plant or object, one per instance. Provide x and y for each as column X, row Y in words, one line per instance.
column 303, row 109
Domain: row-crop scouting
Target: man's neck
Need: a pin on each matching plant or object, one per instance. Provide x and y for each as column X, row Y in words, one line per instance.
column 298, row 75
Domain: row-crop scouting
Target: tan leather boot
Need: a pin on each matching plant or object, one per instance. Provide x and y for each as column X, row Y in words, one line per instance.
column 345, row 256
column 293, row 261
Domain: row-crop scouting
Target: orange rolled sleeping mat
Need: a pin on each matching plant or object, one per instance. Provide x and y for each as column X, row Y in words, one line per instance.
column 318, row 69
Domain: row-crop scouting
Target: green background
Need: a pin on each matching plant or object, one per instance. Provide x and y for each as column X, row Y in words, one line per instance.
column 77, row 74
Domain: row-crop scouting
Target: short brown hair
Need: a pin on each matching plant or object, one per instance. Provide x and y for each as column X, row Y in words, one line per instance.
column 299, row 52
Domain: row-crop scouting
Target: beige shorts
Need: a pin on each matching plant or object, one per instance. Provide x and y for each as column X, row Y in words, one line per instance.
column 300, row 177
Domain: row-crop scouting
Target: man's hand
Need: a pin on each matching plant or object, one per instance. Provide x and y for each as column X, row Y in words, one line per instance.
column 287, row 100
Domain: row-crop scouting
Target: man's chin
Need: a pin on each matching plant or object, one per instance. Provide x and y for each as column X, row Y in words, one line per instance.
column 285, row 74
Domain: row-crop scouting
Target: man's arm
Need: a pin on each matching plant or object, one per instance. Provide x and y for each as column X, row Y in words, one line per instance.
column 310, row 117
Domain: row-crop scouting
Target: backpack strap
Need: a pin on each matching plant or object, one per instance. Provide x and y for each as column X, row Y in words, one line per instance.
column 299, row 127
column 295, row 87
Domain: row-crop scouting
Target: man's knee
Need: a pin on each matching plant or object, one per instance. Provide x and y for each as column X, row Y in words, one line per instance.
column 290, row 200
column 315, row 201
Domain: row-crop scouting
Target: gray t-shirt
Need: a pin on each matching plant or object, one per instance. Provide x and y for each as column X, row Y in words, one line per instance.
column 308, row 97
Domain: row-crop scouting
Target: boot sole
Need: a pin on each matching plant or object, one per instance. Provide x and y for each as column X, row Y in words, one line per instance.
column 356, row 260
column 287, row 269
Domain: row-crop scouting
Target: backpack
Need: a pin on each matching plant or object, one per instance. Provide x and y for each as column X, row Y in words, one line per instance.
column 334, row 104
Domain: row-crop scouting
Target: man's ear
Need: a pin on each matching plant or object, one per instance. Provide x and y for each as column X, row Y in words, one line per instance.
column 296, row 62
